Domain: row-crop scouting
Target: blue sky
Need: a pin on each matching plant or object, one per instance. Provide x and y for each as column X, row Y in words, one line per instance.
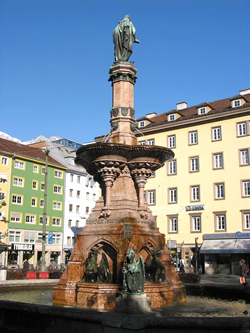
column 55, row 58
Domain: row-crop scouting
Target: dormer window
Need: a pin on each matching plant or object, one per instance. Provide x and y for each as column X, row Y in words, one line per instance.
column 142, row 123
column 171, row 117
column 202, row 110
column 236, row 103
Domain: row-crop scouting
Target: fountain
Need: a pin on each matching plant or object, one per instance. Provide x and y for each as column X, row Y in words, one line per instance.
column 121, row 220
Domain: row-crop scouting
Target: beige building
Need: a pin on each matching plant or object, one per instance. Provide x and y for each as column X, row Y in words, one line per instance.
column 203, row 195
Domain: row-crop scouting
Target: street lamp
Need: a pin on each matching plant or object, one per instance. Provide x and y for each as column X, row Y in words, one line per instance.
column 43, row 263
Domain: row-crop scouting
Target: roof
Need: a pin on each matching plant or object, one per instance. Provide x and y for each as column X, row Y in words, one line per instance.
column 15, row 148
column 191, row 112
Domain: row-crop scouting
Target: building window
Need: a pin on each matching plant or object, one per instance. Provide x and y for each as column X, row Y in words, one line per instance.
column 77, row 224
column 244, row 157
column 171, row 141
column 41, row 220
column 79, row 179
column 202, row 110
column 58, row 174
column 171, row 117
column 70, row 208
column 193, row 138
column 151, row 197
column 71, row 192
column 173, row 224
column 33, row 202
column 142, row 143
column 57, row 205
column 16, row 217
column 236, row 103
column 34, row 185
column 218, row 161
column 246, row 188
column 30, row 219
column 219, row 191
column 4, row 160
column 78, row 194
column 195, row 193
column 77, row 209
column 142, row 123
column 245, row 214
column 14, row 236
column 19, row 165
column 17, row 199
column 56, row 221
column 242, row 129
column 56, row 239
column 196, row 223
column 42, row 186
column 87, row 195
column 194, row 164
column 220, row 220
column 57, row 189
column 172, row 195
column 216, row 133
column 71, row 177
column 69, row 223
column 42, row 203
column 2, row 215
column 18, row 182
column 29, row 237
column 94, row 197
column 43, row 170
column 87, row 210
column 151, row 142
column 172, row 167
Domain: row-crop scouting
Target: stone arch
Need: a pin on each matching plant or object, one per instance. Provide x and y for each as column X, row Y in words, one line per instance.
column 104, row 246
column 146, row 248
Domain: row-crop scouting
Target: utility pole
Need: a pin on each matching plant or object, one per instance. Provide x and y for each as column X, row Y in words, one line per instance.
column 43, row 263
column 196, row 255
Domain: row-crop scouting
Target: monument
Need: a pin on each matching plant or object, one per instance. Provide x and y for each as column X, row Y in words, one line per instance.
column 121, row 220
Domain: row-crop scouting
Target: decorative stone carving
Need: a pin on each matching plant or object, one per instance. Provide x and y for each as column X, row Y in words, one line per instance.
column 115, row 112
column 132, row 127
column 124, row 111
column 120, row 76
column 115, row 125
column 132, row 112
column 105, row 213
column 154, row 269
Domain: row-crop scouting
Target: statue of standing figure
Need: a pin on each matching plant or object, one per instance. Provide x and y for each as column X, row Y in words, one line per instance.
column 124, row 37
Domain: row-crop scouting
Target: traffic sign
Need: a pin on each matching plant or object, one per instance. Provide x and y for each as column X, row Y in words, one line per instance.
column 50, row 237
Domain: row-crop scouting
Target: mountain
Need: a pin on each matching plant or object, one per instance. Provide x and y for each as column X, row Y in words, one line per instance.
column 8, row 137
column 38, row 139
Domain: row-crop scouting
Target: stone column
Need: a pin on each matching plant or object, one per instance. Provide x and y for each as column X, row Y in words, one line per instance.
column 122, row 76
column 141, row 175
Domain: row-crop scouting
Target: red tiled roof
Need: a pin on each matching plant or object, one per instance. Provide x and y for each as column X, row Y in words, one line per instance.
column 217, row 106
column 12, row 147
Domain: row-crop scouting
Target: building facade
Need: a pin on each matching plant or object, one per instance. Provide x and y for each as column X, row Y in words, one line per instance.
column 205, row 189
column 25, row 204
column 80, row 190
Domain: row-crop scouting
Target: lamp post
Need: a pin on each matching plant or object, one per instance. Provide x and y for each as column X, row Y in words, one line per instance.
column 196, row 255
column 43, row 263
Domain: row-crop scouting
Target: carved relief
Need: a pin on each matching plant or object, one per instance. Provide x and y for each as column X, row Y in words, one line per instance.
column 124, row 111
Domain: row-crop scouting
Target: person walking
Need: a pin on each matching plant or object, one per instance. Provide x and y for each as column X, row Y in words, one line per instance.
column 243, row 272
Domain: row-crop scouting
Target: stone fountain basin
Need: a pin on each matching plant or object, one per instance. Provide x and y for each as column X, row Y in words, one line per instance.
column 153, row 156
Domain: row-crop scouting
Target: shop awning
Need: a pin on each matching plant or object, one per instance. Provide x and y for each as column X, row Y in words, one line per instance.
column 242, row 246
column 218, row 246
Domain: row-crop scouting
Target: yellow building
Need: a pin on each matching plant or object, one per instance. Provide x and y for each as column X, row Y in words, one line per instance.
column 203, row 195
column 5, row 176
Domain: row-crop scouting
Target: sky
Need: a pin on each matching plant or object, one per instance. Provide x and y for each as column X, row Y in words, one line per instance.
column 55, row 58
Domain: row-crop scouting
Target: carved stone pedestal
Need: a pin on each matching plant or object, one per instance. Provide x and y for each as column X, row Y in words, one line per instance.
column 97, row 296
column 161, row 294
column 130, row 303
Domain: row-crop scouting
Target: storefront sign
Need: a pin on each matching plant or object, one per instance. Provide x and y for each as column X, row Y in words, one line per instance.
column 237, row 234
column 190, row 208
column 22, row 247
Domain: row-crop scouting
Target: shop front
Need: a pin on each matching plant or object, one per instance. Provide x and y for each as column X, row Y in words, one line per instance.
column 222, row 252
column 18, row 253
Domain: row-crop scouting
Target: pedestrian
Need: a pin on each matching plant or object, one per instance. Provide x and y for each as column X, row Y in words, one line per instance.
column 182, row 266
column 243, row 272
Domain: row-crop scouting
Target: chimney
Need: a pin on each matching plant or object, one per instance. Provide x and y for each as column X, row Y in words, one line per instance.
column 245, row 91
column 151, row 115
column 181, row 106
